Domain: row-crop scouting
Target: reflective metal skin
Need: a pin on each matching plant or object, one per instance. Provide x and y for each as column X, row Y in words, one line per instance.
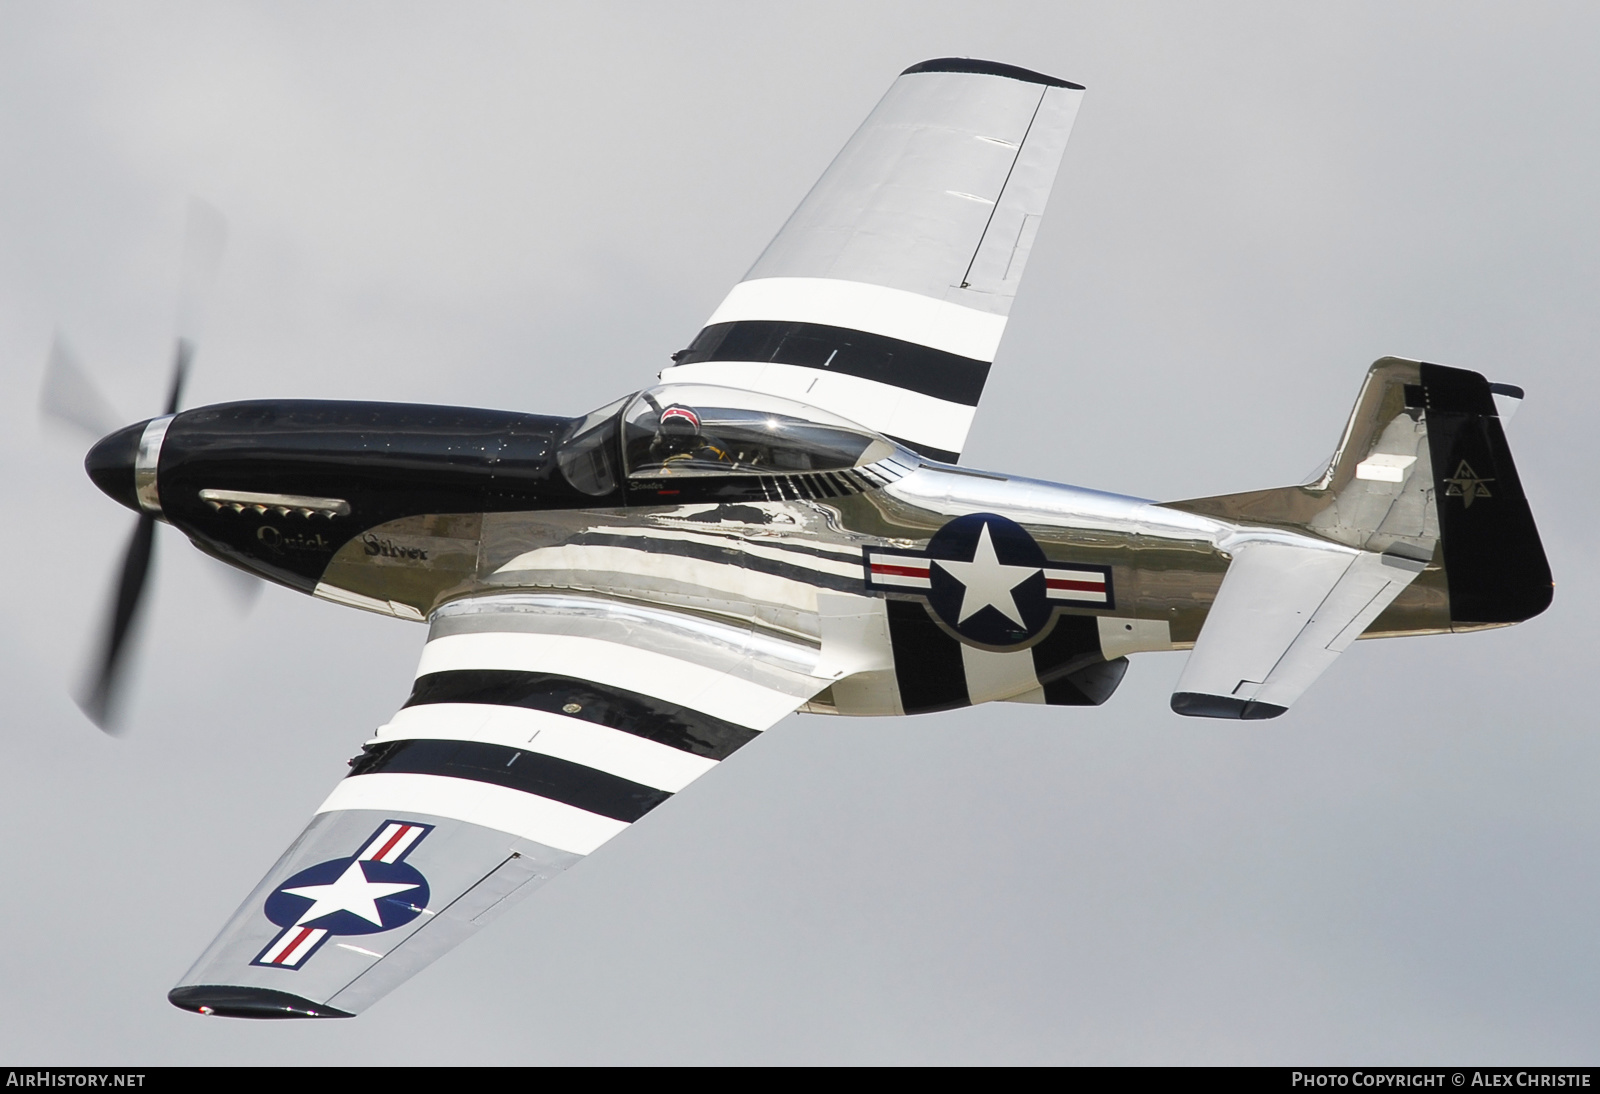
column 617, row 602
column 406, row 509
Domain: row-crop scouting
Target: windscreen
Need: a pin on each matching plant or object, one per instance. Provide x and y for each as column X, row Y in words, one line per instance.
column 587, row 453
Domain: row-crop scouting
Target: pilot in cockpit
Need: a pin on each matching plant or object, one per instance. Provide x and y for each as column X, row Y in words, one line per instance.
column 678, row 438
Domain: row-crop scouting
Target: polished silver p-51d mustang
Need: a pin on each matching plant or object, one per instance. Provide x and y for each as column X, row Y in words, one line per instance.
column 616, row 603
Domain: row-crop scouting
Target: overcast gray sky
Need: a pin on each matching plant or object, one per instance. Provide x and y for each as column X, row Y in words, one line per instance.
column 530, row 206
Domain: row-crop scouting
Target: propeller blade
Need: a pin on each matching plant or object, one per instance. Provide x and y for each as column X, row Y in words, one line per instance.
column 69, row 396
column 180, row 373
column 205, row 235
column 242, row 589
column 100, row 697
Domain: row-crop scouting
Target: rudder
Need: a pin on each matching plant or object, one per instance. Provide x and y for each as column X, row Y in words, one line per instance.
column 1494, row 562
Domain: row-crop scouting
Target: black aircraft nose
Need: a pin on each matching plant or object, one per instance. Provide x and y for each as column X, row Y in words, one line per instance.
column 110, row 464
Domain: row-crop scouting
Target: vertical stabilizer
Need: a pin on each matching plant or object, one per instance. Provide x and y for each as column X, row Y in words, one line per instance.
column 1423, row 471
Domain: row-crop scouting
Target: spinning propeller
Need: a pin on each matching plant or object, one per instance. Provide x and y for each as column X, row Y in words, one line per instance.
column 70, row 396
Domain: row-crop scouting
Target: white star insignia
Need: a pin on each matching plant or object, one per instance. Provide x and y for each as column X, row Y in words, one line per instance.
column 351, row 893
column 988, row 581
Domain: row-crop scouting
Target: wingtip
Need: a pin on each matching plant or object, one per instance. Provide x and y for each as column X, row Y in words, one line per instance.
column 1195, row 704
column 236, row 1001
column 989, row 68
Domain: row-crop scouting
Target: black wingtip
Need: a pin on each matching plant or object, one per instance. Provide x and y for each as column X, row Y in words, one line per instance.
column 234, row 1001
column 989, row 68
column 1195, row 704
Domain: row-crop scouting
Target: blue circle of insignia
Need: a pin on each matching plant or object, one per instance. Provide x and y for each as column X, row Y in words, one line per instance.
column 394, row 907
column 1000, row 576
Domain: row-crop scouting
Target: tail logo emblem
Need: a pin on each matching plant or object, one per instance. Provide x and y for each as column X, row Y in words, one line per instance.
column 1467, row 486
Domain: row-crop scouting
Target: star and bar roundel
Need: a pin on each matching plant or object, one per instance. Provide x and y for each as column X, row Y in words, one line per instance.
column 373, row 890
column 987, row 579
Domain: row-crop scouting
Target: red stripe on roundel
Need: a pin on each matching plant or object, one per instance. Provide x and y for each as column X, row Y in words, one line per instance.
column 288, row 951
column 1076, row 586
column 900, row 571
column 394, row 839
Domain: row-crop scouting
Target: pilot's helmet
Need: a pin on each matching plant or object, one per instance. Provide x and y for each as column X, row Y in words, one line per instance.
column 679, row 421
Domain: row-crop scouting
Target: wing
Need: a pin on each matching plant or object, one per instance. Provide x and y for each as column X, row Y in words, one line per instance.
column 539, row 727
column 885, row 295
column 1284, row 612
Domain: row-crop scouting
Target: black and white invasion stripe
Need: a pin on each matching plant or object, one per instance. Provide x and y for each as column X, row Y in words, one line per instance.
column 884, row 296
column 934, row 670
column 695, row 559
column 907, row 365
column 559, row 730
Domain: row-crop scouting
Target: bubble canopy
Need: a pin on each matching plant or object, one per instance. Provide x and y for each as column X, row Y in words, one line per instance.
column 700, row 430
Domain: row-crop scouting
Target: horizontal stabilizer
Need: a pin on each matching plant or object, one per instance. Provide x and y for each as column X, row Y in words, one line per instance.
column 1284, row 612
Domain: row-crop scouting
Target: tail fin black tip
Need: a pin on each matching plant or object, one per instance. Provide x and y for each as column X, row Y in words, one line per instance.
column 1493, row 560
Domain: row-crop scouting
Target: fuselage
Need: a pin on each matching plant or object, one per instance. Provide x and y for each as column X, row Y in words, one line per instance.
column 404, row 509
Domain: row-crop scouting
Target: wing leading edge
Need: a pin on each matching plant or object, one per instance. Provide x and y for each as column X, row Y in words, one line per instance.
column 538, row 728
column 885, row 296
